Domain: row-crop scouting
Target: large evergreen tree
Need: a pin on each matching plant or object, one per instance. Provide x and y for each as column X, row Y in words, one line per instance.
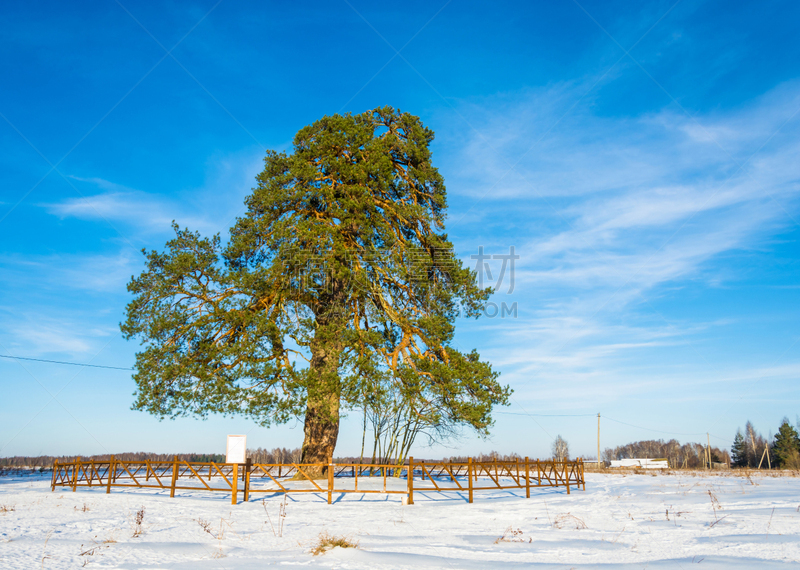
column 337, row 282
column 786, row 446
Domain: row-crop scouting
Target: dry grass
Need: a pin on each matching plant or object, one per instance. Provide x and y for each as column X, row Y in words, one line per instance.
column 512, row 534
column 281, row 517
column 206, row 526
column 7, row 508
column 570, row 521
column 326, row 542
column 219, row 535
column 44, row 548
column 98, row 546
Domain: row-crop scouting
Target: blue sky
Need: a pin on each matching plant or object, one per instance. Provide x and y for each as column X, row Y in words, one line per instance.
column 642, row 160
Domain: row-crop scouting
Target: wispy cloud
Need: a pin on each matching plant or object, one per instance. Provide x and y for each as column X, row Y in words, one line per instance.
column 654, row 196
column 208, row 209
column 610, row 214
column 137, row 208
column 98, row 273
column 34, row 334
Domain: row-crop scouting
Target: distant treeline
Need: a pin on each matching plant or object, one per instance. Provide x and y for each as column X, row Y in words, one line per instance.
column 259, row 455
column 48, row 460
column 277, row 455
column 750, row 449
column 283, row 455
column 688, row 455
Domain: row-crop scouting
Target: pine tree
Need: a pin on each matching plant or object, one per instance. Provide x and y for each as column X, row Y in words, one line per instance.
column 786, row 446
column 739, row 450
column 338, row 284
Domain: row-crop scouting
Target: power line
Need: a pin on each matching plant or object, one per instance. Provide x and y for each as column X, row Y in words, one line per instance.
column 496, row 411
column 61, row 362
column 546, row 415
column 649, row 429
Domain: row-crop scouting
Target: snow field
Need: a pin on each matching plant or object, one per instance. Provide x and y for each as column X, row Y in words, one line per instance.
column 631, row 521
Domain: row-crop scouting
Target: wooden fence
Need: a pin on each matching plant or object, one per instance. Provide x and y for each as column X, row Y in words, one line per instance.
column 252, row 478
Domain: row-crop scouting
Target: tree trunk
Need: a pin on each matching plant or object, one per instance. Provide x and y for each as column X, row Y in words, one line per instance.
column 321, row 427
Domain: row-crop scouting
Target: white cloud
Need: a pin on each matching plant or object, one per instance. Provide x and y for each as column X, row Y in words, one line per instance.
column 609, row 215
column 80, row 272
column 209, row 209
column 36, row 335
column 633, row 198
column 139, row 208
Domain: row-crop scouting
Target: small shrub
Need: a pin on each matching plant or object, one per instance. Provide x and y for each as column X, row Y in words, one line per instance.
column 136, row 524
column 326, row 542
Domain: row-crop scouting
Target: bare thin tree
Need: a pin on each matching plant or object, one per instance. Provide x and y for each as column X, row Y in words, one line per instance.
column 560, row 449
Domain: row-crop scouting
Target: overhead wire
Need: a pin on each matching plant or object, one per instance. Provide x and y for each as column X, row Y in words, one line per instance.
column 546, row 415
column 653, row 430
column 62, row 362
column 496, row 411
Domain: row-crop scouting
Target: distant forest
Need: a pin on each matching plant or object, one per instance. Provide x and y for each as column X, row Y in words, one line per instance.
column 750, row 449
column 688, row 455
column 259, row 455
column 47, row 460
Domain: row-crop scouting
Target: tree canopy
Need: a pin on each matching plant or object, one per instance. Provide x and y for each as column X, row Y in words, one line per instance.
column 337, row 285
column 787, row 446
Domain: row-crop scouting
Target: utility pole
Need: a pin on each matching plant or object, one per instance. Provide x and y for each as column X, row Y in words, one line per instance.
column 708, row 449
column 598, row 440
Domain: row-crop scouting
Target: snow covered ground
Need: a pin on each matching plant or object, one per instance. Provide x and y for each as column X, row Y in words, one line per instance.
column 631, row 521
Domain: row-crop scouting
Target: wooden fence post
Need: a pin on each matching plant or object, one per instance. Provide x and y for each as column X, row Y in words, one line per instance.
column 111, row 468
column 234, row 483
column 538, row 474
column 470, row 469
column 330, row 480
column 247, row 464
column 556, row 475
column 527, row 480
column 583, row 475
column 75, row 474
column 566, row 475
column 174, row 476
column 53, row 481
column 410, row 479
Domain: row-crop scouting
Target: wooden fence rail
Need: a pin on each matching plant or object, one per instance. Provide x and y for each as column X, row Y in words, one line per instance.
column 270, row 478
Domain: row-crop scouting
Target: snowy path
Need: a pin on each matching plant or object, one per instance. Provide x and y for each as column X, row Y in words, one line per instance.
column 633, row 521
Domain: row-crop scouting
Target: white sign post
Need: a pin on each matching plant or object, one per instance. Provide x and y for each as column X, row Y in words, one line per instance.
column 236, row 449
